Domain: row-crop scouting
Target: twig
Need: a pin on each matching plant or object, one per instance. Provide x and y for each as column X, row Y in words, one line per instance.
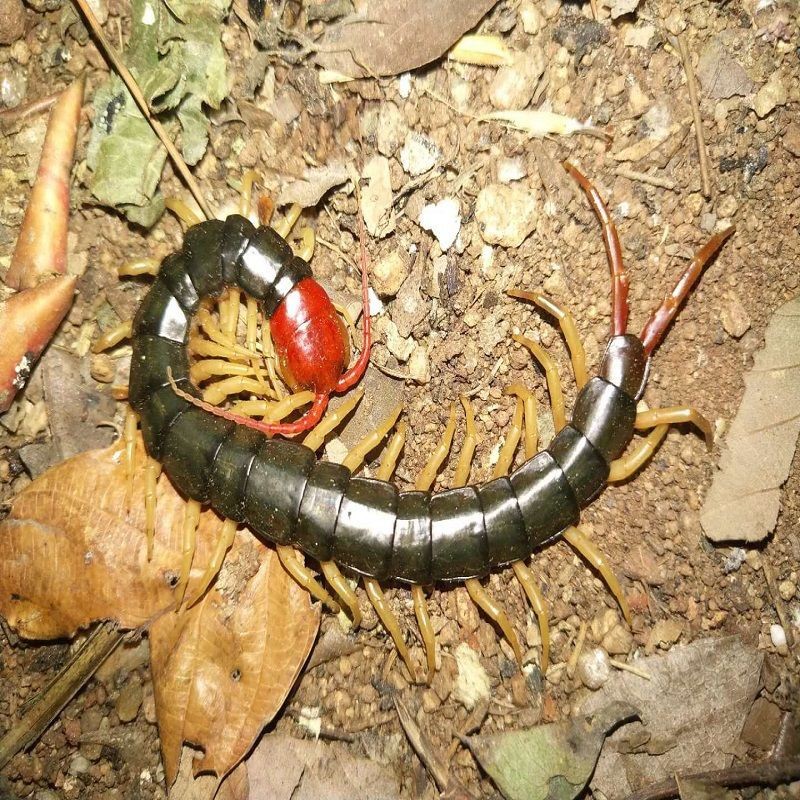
column 45, row 708
column 705, row 176
column 8, row 116
column 766, row 773
column 777, row 602
column 644, row 177
column 130, row 82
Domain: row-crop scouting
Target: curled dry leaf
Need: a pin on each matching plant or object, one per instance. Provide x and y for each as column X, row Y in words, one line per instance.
column 73, row 550
column 745, row 495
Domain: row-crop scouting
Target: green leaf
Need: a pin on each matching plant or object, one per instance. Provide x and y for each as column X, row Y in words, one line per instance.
column 548, row 762
column 176, row 55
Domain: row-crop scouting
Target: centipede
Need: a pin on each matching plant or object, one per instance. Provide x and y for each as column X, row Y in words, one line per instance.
column 258, row 474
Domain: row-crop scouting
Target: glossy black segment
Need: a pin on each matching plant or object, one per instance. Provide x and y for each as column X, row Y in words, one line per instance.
column 585, row 469
column 605, row 415
column 259, row 264
column 231, row 471
column 545, row 498
column 365, row 527
column 278, row 477
column 625, row 364
column 411, row 549
column 319, row 509
column 172, row 273
column 459, row 548
column 190, row 447
column 236, row 235
column 290, row 275
column 151, row 358
column 505, row 527
column 201, row 253
column 160, row 314
column 161, row 411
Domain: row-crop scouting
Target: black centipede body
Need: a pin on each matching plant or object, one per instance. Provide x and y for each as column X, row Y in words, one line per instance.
column 279, row 489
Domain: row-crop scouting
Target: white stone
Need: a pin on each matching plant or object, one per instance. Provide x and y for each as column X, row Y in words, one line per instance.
column 443, row 220
column 419, row 154
column 506, row 215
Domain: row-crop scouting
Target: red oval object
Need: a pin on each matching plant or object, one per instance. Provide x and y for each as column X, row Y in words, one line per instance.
column 310, row 339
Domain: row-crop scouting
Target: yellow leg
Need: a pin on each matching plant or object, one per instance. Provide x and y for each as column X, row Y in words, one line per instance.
column 428, row 474
column 495, row 611
column 392, row 452
column 425, row 628
column 113, row 337
column 355, row 458
column 531, row 428
column 551, row 375
column 579, row 541
column 151, row 472
column 215, row 564
column 624, row 467
column 539, row 606
column 251, row 337
column 332, row 419
column 199, row 346
column 191, row 518
column 389, row 620
column 213, row 367
column 343, row 589
column 307, row 242
column 207, row 323
column 219, row 391
column 461, row 475
column 304, row 577
column 185, row 214
column 273, row 412
column 675, row 415
column 270, row 358
column 567, row 324
column 506, row 457
column 129, row 435
column 229, row 312
column 284, row 226
column 246, row 192
column 139, row 266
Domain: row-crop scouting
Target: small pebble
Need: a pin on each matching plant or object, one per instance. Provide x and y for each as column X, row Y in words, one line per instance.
column 735, row 320
column 791, row 138
column 430, row 701
column 513, row 86
column 78, row 765
column 594, row 668
column 419, row 365
column 419, row 154
column 787, row 590
column 506, row 215
column 771, row 95
column 618, row 641
column 443, row 220
column 102, row 368
column 12, row 21
column 129, row 701
column 511, row 169
column 778, row 635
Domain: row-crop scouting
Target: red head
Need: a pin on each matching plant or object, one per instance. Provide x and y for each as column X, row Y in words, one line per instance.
column 310, row 339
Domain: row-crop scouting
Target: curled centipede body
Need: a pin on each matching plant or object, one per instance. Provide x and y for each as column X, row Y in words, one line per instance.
column 279, row 489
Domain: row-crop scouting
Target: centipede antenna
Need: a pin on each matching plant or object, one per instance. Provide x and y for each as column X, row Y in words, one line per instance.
column 655, row 328
column 578, row 540
column 425, row 628
column 623, row 467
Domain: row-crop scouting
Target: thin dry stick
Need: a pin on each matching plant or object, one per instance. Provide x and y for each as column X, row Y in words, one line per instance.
column 49, row 702
column 10, row 116
column 645, row 177
column 767, row 773
column 705, row 175
column 136, row 93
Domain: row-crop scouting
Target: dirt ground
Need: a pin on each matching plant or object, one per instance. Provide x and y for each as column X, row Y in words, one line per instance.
column 626, row 82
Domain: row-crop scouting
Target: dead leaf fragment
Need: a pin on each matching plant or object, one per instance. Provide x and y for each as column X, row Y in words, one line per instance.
column 389, row 37
column 721, row 75
column 223, row 669
column 309, row 190
column 548, row 762
column 744, row 498
column 283, row 768
column 691, row 710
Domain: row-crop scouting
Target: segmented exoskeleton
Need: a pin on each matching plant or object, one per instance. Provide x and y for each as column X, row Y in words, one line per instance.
column 283, row 493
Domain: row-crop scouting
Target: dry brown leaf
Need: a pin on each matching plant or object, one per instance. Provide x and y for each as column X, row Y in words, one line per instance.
column 224, row 668
column 388, row 37
column 72, row 553
column 744, row 497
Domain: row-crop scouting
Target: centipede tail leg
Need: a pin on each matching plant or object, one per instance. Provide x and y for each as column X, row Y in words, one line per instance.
column 619, row 280
column 655, row 328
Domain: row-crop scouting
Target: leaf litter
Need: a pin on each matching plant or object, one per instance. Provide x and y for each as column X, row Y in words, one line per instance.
column 222, row 669
column 745, row 495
